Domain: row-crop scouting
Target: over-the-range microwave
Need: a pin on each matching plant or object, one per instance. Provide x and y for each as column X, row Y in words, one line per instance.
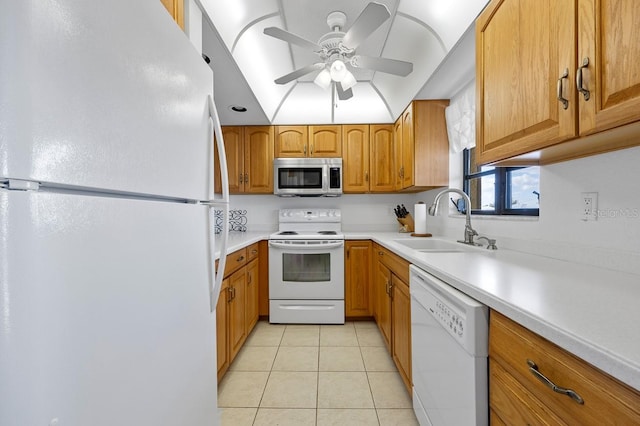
column 307, row 177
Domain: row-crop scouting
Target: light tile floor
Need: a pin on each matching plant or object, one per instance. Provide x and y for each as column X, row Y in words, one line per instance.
column 314, row 375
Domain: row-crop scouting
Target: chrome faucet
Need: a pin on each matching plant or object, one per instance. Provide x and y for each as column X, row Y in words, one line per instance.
column 491, row 243
column 469, row 232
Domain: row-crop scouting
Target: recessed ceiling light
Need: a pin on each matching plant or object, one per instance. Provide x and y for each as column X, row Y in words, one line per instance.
column 237, row 108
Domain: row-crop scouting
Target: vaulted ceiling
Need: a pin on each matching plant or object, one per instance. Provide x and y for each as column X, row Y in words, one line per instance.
column 246, row 61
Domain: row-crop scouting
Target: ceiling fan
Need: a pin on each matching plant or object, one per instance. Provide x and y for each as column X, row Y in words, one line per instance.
column 337, row 49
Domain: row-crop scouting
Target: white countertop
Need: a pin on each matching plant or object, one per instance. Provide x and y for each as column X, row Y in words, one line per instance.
column 591, row 312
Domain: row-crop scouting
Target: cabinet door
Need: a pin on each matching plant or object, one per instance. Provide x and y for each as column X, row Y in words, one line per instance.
column 176, row 10
column 258, row 161
column 253, row 283
column 610, row 38
column 382, row 282
column 222, row 346
column 291, row 141
column 357, row 278
column 355, row 158
column 397, row 153
column 522, row 49
column 407, row 149
column 236, row 316
column 381, row 158
column 401, row 329
column 325, row 141
column 234, row 147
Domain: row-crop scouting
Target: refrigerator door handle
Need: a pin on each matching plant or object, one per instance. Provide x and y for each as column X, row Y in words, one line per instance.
column 222, row 204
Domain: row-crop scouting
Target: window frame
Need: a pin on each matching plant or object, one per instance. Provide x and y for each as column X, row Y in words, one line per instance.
column 502, row 189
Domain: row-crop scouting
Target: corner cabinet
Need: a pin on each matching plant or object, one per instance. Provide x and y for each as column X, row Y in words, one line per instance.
column 421, row 147
column 550, row 71
column 308, row 141
column 518, row 358
column 249, row 152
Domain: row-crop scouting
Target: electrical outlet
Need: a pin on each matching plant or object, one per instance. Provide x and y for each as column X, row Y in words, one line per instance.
column 589, row 206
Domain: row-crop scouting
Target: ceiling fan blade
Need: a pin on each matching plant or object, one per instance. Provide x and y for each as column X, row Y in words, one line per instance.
column 390, row 66
column 366, row 23
column 291, row 38
column 343, row 95
column 299, row 73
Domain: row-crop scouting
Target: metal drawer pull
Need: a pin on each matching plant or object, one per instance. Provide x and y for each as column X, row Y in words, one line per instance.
column 581, row 89
column 570, row 393
column 565, row 102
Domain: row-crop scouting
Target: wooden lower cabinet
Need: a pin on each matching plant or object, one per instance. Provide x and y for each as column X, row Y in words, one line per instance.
column 357, row 294
column 221, row 330
column 401, row 329
column 517, row 396
column 237, row 310
column 393, row 308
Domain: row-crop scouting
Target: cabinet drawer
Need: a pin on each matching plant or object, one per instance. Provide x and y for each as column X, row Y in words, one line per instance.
column 398, row 265
column 513, row 404
column 252, row 251
column 235, row 260
column 512, row 345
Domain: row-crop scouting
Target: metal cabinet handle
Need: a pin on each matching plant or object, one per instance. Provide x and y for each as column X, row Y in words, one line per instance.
column 304, row 150
column 586, row 93
column 240, row 178
column 533, row 368
column 254, row 251
column 380, row 253
column 240, row 259
column 565, row 102
column 366, row 176
column 246, row 178
column 229, row 294
column 311, row 149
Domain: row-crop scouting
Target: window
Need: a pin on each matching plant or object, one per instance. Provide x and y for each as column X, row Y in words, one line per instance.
column 501, row 190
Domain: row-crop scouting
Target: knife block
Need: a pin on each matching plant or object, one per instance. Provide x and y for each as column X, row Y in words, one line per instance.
column 406, row 223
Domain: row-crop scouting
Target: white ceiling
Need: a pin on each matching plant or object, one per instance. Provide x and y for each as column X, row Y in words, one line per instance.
column 246, row 62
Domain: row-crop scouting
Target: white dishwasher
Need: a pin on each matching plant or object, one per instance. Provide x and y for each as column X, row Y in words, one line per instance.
column 449, row 348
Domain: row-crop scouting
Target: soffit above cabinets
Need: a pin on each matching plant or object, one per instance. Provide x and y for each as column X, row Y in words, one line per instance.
column 246, row 60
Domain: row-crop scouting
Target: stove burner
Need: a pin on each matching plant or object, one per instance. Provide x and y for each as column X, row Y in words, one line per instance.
column 288, row 233
column 327, row 232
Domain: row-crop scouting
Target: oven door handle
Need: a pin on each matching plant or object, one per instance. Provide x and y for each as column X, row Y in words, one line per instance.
column 306, row 245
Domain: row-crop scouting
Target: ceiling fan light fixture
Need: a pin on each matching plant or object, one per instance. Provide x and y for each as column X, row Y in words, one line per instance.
column 338, row 70
column 348, row 81
column 323, row 79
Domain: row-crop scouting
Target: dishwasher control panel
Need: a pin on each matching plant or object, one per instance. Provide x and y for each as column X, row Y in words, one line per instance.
column 449, row 317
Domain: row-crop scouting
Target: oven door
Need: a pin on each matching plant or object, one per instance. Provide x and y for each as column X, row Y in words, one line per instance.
column 306, row 269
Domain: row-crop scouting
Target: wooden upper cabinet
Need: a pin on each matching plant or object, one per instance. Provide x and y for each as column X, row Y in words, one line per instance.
column 530, row 58
column 249, row 152
column 176, row 10
column 609, row 36
column 258, row 161
column 308, row 141
column 381, row 158
column 421, row 147
column 291, row 141
column 407, row 154
column 523, row 48
column 355, row 158
column 325, row 141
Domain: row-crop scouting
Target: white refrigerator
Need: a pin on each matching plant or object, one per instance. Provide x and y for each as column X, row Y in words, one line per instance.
column 107, row 288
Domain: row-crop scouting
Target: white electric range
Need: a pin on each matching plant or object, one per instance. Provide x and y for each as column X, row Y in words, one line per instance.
column 306, row 267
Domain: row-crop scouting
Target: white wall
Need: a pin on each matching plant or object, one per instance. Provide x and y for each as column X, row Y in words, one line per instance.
column 359, row 212
column 613, row 241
